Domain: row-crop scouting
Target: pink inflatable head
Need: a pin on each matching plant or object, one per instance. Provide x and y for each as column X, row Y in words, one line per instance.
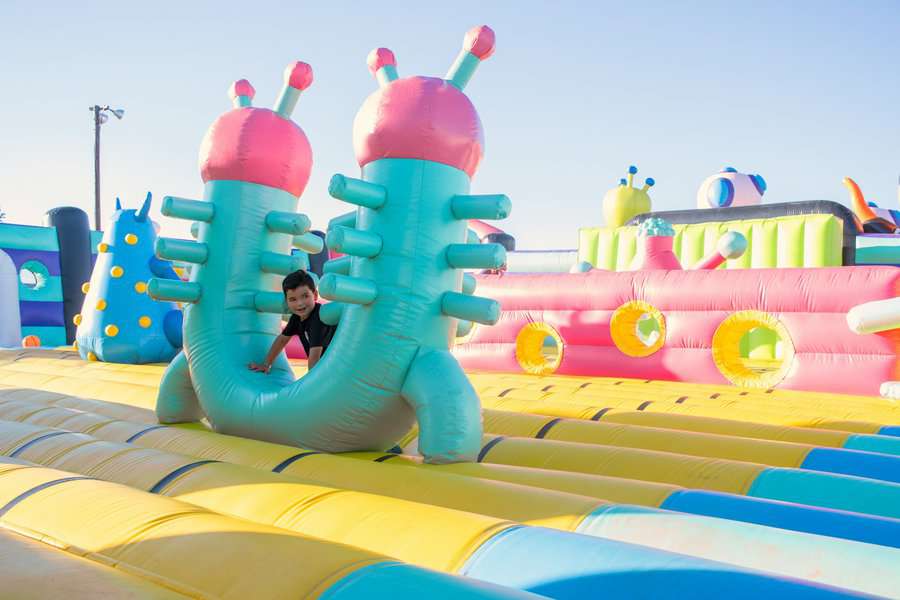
column 259, row 145
column 425, row 118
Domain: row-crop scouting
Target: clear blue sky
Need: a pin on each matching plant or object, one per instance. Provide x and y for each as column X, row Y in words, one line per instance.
column 802, row 92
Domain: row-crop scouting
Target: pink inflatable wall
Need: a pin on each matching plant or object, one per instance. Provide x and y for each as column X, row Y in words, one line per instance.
column 810, row 303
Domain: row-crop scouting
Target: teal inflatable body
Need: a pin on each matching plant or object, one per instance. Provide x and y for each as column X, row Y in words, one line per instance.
column 398, row 292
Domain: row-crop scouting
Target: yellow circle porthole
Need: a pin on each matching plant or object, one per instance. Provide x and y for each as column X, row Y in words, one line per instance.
column 638, row 329
column 745, row 364
column 539, row 349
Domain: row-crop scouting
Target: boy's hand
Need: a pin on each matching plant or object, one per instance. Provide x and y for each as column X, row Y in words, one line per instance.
column 260, row 368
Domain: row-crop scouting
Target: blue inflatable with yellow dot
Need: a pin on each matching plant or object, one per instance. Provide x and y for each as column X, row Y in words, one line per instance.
column 119, row 322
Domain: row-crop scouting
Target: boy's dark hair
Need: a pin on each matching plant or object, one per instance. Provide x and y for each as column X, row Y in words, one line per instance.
column 298, row 279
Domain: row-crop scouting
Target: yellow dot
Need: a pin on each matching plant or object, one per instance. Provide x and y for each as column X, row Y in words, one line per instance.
column 131, row 239
column 92, row 356
column 77, row 320
column 111, row 330
column 117, row 271
column 145, row 322
column 85, row 287
column 75, row 345
column 102, row 247
column 101, row 304
column 140, row 287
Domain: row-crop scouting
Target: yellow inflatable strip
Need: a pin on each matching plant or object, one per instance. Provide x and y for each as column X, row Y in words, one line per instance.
column 642, row 402
column 689, row 471
column 766, row 452
column 52, row 399
column 823, row 406
column 786, row 433
column 544, row 504
column 596, row 413
column 93, row 380
column 601, row 387
column 188, row 549
column 32, row 570
column 612, row 489
column 379, row 524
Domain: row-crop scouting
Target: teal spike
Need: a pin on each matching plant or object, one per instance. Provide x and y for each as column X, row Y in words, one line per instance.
column 192, row 210
column 281, row 264
column 470, row 308
column 309, row 242
column 174, row 290
column 331, row 313
column 181, row 250
column 343, row 288
column 386, row 74
column 270, row 302
column 463, row 327
column 468, row 284
column 354, row 242
column 287, row 101
column 345, row 220
column 472, row 237
column 357, row 191
column 476, row 256
column 289, row 223
column 462, row 69
column 339, row 266
column 488, row 206
column 195, row 229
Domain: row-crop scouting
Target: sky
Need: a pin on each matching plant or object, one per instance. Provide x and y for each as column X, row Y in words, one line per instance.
column 801, row 92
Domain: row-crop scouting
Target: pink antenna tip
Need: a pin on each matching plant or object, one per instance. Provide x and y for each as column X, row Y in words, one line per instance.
column 298, row 75
column 241, row 87
column 380, row 57
column 480, row 41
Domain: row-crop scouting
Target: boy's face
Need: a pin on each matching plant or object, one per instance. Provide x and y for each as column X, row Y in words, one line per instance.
column 301, row 301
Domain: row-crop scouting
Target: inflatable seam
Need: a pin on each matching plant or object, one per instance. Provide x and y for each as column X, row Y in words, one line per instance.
column 40, row 438
column 289, row 461
column 12, row 503
column 488, row 447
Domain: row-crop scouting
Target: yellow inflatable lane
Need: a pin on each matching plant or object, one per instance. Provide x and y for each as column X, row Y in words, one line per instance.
column 598, row 412
column 613, row 489
column 32, row 570
column 718, row 406
column 384, row 525
column 765, row 452
column 633, row 463
column 540, row 505
column 180, row 546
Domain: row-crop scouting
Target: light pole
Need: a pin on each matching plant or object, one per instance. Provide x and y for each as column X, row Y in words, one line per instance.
column 99, row 119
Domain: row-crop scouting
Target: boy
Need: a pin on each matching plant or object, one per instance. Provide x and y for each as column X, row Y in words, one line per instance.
column 301, row 296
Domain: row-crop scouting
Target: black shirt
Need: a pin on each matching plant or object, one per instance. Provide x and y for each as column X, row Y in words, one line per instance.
column 312, row 332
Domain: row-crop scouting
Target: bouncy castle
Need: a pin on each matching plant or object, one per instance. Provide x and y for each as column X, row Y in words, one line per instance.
column 682, row 415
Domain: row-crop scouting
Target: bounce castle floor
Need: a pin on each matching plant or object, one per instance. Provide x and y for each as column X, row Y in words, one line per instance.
column 97, row 497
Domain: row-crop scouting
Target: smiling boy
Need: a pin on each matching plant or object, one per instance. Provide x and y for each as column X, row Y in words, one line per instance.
column 302, row 299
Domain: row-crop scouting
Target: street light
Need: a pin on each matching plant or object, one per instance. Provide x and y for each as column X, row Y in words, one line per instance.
column 100, row 118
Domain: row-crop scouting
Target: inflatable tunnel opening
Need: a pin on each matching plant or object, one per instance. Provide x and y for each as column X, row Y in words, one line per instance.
column 33, row 275
column 638, row 329
column 539, row 349
column 753, row 349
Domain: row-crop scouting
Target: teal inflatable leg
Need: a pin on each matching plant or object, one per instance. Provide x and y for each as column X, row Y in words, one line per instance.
column 447, row 408
column 177, row 402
